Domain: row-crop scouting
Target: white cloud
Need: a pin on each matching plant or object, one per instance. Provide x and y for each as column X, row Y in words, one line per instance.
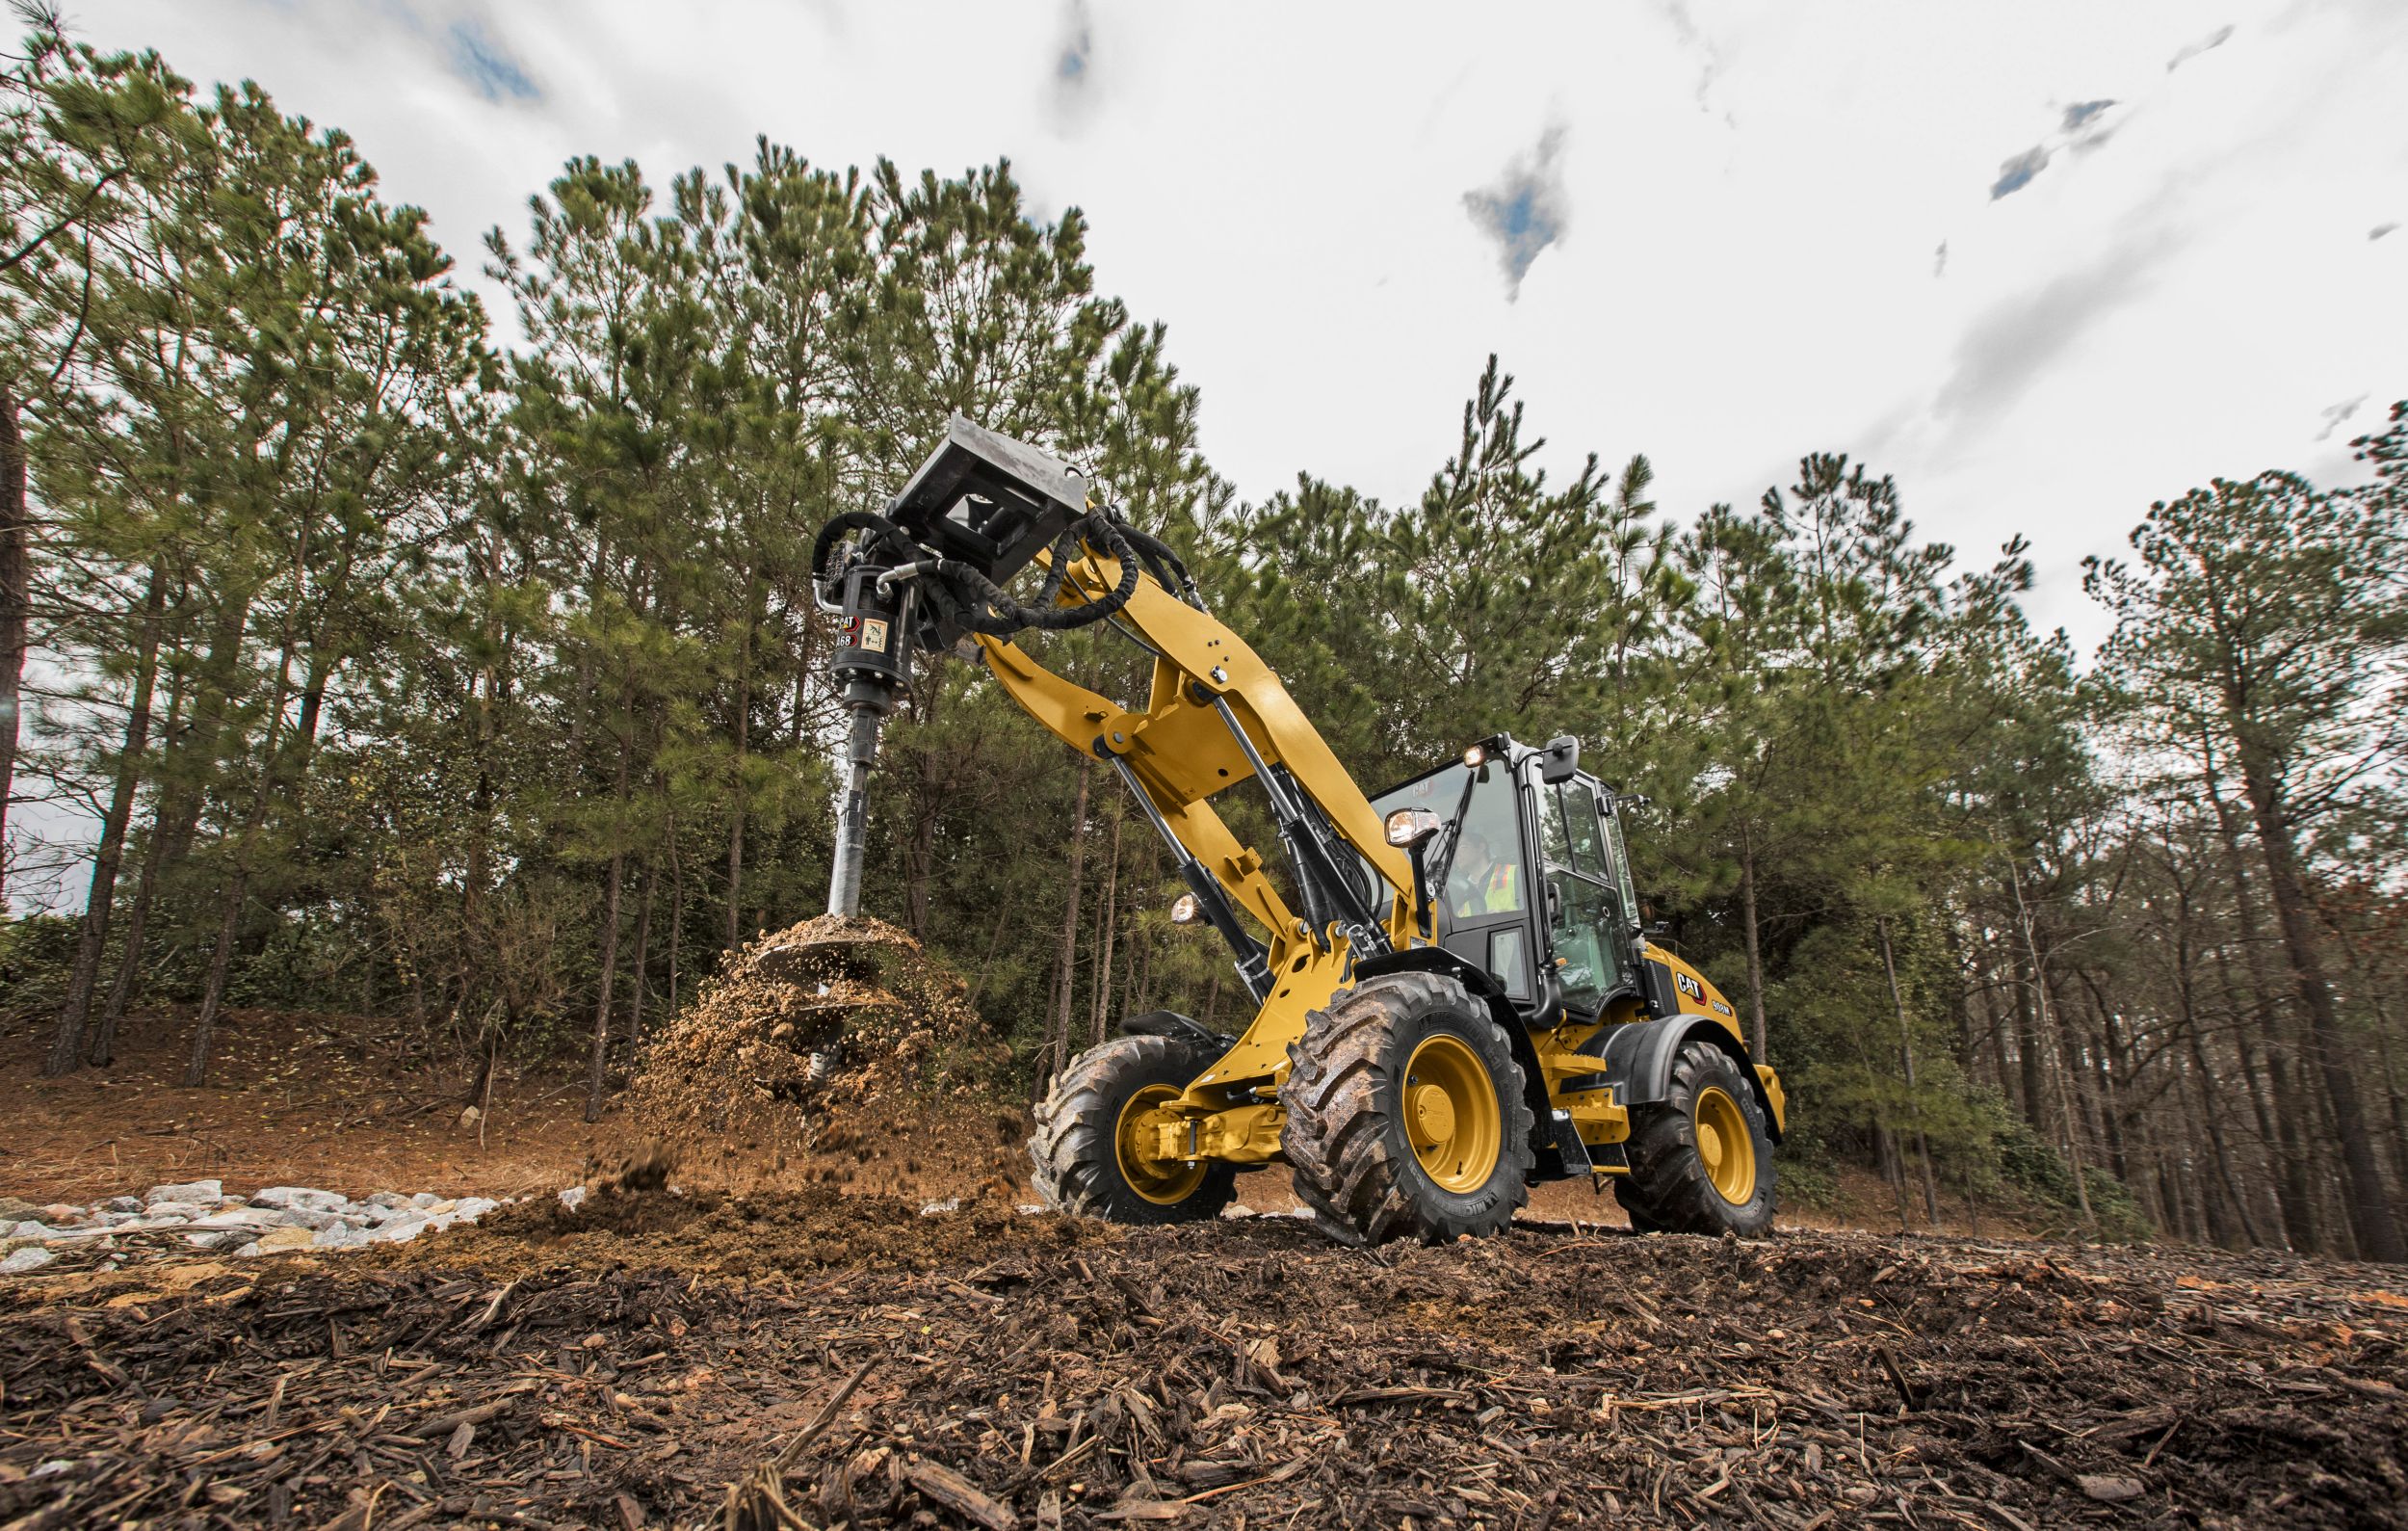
column 1747, row 282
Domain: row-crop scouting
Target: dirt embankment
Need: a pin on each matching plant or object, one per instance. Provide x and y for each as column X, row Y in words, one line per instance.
column 628, row 1362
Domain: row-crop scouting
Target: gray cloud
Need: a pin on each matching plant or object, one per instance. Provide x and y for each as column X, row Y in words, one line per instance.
column 2081, row 111
column 1527, row 210
column 1940, row 259
column 475, row 56
column 1686, row 29
column 1073, row 92
column 2336, row 415
column 2015, row 173
column 2380, row 229
column 2191, row 50
column 1077, row 46
column 2005, row 350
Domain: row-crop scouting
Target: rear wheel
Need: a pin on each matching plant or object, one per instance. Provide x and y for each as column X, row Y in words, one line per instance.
column 1701, row 1160
column 1406, row 1114
column 1094, row 1151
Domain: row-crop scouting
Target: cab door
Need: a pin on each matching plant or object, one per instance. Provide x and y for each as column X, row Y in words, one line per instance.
column 1587, row 919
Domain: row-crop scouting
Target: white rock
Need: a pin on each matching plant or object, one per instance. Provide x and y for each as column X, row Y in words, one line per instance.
column 179, row 1211
column 473, row 1207
column 440, row 1206
column 31, row 1231
column 250, row 1249
column 338, row 1236
column 390, row 1199
column 425, row 1198
column 124, row 1203
column 951, row 1203
column 247, row 1217
column 301, row 1199
column 402, row 1230
column 30, row 1259
column 190, row 1191
column 378, row 1213
column 573, row 1198
column 217, row 1238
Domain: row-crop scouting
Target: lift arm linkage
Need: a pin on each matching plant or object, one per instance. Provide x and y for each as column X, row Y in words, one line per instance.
column 1215, row 710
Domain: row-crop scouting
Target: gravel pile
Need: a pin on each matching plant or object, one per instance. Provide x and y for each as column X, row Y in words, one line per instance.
column 198, row 1216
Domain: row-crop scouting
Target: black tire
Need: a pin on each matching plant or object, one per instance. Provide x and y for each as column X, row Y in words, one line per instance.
column 1075, row 1149
column 1670, row 1187
column 1347, row 1137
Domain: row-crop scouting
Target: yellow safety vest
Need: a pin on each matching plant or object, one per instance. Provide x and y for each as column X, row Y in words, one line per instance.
column 1501, row 896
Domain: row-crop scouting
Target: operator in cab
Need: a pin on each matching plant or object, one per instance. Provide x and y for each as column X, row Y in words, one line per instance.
column 1480, row 884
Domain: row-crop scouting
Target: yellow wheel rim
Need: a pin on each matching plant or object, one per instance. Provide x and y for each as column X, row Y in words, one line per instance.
column 1451, row 1115
column 1725, row 1146
column 1165, row 1182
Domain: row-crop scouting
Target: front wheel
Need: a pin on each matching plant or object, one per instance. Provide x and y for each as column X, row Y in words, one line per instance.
column 1406, row 1114
column 1701, row 1161
column 1094, row 1148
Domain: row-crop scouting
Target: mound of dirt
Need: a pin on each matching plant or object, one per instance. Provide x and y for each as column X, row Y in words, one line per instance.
column 824, row 1041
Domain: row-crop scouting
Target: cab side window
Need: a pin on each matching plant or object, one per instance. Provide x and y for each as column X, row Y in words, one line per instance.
column 1485, row 876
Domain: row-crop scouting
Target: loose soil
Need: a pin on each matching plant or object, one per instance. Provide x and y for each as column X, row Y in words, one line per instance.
column 659, row 1358
column 294, row 1098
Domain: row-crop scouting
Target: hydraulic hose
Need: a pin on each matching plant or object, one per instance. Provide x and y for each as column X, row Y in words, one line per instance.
column 993, row 609
column 1011, row 617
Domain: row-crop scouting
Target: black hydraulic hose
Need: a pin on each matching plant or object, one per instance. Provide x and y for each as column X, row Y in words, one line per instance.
column 972, row 589
column 1163, row 564
column 1011, row 617
column 849, row 521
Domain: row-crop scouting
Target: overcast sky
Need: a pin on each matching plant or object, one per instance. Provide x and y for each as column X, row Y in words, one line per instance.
column 2044, row 263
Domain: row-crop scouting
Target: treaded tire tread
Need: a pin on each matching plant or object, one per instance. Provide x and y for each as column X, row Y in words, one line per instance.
column 1668, row 1189
column 1074, row 1160
column 1353, row 1164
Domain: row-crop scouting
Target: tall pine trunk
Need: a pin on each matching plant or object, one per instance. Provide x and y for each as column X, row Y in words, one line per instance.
column 1906, row 1057
column 66, row 1044
column 736, row 817
column 104, row 1032
column 1108, row 923
column 238, row 885
column 598, row 1064
column 2367, row 1204
column 16, row 603
column 2294, row 1197
column 641, row 967
column 1055, row 1051
column 1755, row 952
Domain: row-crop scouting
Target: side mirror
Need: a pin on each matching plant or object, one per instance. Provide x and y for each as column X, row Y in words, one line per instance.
column 1560, row 760
column 1411, row 831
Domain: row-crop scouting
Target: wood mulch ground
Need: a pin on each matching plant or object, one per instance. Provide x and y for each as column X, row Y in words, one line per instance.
column 811, row 1358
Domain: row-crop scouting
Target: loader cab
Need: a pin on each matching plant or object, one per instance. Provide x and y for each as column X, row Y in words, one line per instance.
column 1531, row 881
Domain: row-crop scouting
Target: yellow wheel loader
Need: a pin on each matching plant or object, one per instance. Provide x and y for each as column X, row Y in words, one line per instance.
column 1456, row 996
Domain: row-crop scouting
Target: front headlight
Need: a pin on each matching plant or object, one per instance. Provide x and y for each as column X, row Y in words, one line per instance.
column 1409, row 827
